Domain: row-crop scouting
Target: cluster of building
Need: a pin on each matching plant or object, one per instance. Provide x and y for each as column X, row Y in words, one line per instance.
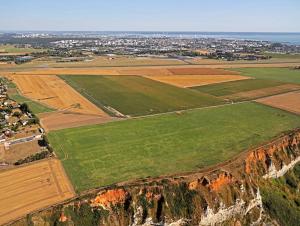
column 217, row 48
column 77, row 43
column 17, row 124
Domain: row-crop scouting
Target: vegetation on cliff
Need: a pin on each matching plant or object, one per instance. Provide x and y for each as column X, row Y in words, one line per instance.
column 281, row 198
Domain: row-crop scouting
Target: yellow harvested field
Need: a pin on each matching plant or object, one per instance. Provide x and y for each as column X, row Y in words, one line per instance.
column 196, row 80
column 32, row 187
column 62, row 120
column 288, row 101
column 52, row 91
column 145, row 71
column 201, row 71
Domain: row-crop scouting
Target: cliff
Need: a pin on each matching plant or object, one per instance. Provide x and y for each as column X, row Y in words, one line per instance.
column 232, row 193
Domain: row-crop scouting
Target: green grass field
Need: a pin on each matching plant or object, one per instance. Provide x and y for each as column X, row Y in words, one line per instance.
column 280, row 74
column 35, row 108
column 228, row 88
column 13, row 49
column 135, row 95
column 283, row 56
column 101, row 155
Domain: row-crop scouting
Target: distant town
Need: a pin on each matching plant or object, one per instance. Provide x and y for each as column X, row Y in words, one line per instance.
column 81, row 46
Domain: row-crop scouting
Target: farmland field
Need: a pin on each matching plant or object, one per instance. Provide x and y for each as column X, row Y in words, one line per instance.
column 288, row 101
column 13, row 49
column 35, row 107
column 64, row 119
column 136, row 95
column 32, row 187
column 55, row 93
column 247, row 89
column 280, row 74
column 165, row 144
column 195, row 80
column 200, row 71
column 116, row 61
column 228, row 88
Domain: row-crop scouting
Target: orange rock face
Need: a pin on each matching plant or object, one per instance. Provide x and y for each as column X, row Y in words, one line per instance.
column 260, row 155
column 110, row 198
column 222, row 180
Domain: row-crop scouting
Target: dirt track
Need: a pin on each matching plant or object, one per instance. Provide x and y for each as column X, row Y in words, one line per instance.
column 288, row 101
column 32, row 187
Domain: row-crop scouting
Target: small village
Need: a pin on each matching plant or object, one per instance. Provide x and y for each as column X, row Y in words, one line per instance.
column 21, row 139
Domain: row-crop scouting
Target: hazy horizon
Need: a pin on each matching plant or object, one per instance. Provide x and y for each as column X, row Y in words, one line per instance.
column 158, row 16
column 158, row 31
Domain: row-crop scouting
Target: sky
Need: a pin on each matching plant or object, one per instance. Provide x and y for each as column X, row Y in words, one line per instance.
column 151, row 15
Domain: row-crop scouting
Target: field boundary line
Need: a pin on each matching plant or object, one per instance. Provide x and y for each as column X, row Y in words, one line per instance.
column 55, row 179
column 80, row 89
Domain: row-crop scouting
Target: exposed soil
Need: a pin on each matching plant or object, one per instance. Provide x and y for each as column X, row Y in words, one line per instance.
column 61, row 120
column 253, row 94
column 288, row 101
column 20, row 151
column 200, row 71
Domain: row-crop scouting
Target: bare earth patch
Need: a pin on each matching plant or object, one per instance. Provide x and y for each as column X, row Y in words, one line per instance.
column 253, row 94
column 288, row 101
column 32, row 187
column 62, row 120
column 196, row 80
column 20, row 151
column 201, row 71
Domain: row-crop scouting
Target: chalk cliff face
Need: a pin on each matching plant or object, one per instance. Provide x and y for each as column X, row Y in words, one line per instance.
column 228, row 194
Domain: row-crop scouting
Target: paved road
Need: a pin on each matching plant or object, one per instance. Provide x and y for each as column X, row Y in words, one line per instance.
column 22, row 140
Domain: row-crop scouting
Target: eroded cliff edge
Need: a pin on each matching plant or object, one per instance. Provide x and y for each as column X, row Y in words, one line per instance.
column 228, row 194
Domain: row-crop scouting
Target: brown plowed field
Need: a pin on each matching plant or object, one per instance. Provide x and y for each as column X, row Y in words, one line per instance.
column 254, row 94
column 146, row 71
column 32, row 187
column 54, row 92
column 201, row 71
column 288, row 101
column 196, row 80
column 62, row 120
